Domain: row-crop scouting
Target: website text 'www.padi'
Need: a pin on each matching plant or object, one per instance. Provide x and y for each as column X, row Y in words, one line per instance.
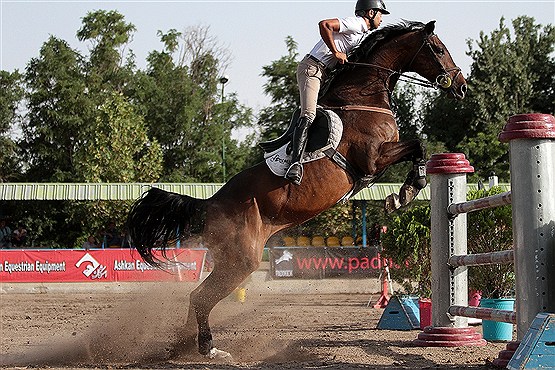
column 339, row 263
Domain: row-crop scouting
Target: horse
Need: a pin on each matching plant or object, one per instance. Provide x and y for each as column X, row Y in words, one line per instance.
column 236, row 222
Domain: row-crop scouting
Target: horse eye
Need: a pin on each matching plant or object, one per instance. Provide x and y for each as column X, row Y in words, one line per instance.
column 441, row 51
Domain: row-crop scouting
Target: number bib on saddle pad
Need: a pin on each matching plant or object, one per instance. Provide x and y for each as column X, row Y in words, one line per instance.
column 324, row 133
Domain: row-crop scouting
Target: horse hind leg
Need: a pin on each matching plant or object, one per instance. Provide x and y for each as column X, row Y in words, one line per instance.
column 222, row 281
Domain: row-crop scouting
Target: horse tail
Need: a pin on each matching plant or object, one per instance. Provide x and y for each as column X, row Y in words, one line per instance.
column 159, row 218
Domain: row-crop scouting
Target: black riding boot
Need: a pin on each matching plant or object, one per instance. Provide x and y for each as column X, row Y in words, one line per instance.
column 300, row 135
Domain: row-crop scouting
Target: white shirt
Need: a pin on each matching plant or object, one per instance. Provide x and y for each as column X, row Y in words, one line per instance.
column 351, row 32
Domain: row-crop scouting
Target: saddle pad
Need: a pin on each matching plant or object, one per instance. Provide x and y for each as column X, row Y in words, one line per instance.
column 279, row 161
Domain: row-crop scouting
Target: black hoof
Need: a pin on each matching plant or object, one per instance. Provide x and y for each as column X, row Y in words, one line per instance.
column 205, row 344
column 392, row 203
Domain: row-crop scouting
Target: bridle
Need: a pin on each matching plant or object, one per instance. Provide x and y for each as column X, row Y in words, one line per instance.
column 443, row 80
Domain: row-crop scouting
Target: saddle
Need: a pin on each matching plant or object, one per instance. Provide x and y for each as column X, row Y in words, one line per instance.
column 324, row 136
column 318, row 133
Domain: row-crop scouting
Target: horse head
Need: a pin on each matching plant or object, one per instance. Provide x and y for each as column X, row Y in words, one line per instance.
column 433, row 61
column 386, row 54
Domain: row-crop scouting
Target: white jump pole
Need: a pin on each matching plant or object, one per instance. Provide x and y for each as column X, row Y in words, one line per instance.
column 531, row 139
column 449, row 285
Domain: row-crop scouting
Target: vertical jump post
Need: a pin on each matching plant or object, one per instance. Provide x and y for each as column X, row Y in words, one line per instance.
column 531, row 140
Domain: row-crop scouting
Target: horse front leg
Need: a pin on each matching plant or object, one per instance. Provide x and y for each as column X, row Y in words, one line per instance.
column 392, row 153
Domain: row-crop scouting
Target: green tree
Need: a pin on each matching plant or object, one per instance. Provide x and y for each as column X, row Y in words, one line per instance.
column 117, row 148
column 11, row 93
column 513, row 71
column 404, row 98
column 407, row 242
column 58, row 111
column 491, row 230
column 283, row 91
column 183, row 108
column 109, row 36
column 79, row 127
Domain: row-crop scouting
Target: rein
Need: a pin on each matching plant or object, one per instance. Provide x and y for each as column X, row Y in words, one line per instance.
column 402, row 77
column 443, row 80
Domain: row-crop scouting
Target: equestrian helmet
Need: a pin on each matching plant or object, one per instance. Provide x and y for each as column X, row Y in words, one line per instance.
column 371, row 4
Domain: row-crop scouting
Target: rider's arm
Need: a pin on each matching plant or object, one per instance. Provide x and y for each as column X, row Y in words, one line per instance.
column 327, row 28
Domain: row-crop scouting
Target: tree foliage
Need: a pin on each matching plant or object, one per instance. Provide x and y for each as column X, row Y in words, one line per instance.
column 58, row 111
column 283, row 91
column 11, row 93
column 184, row 110
column 117, row 148
column 96, row 118
column 407, row 242
column 513, row 71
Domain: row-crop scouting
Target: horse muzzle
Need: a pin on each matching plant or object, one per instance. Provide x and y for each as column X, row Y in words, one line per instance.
column 456, row 86
column 460, row 93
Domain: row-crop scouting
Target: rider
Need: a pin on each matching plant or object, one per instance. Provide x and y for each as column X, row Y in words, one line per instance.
column 339, row 37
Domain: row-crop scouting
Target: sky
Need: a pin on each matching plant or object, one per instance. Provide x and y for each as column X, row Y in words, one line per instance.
column 253, row 31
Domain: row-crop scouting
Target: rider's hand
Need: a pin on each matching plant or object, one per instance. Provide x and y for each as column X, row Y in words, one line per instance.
column 341, row 57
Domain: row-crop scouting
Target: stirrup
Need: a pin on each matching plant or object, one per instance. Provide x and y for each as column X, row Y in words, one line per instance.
column 295, row 178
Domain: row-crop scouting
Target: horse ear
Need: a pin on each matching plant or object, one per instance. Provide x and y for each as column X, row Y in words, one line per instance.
column 430, row 27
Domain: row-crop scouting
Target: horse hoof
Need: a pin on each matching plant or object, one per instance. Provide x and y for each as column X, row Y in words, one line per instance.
column 407, row 194
column 218, row 355
column 420, row 183
column 392, row 203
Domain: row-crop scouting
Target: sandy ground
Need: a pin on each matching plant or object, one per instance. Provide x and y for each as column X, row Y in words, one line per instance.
column 133, row 330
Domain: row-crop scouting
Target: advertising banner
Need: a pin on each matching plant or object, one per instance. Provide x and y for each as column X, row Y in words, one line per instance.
column 319, row 262
column 69, row 265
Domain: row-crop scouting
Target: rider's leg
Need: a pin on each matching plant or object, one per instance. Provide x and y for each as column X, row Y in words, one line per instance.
column 309, row 76
column 300, row 136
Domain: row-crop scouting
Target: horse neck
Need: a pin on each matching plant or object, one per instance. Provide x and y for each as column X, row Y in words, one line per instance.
column 372, row 86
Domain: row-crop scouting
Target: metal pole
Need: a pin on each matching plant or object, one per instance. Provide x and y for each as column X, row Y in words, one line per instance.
column 484, row 313
column 499, row 257
column 479, row 204
column 364, row 233
column 531, row 139
column 449, row 285
column 223, row 81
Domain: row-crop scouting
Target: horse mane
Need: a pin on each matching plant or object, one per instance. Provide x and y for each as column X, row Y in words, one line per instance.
column 371, row 42
column 369, row 45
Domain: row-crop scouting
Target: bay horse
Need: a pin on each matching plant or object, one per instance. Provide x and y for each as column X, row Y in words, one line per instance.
column 236, row 222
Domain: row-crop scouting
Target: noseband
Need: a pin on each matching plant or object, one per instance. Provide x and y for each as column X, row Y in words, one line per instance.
column 443, row 80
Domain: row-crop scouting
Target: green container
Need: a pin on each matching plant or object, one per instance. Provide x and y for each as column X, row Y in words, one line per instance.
column 494, row 331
